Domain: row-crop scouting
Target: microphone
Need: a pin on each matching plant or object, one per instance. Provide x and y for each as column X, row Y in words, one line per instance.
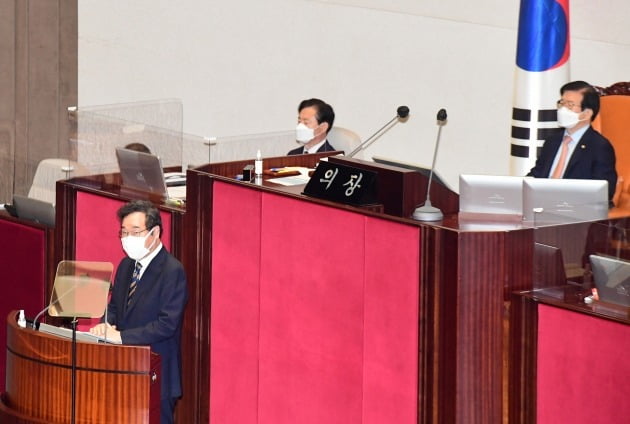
column 50, row 305
column 401, row 113
column 428, row 212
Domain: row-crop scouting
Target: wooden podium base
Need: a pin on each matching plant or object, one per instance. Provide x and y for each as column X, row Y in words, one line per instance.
column 114, row 383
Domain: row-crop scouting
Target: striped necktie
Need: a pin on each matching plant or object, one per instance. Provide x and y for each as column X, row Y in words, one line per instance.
column 564, row 152
column 134, row 282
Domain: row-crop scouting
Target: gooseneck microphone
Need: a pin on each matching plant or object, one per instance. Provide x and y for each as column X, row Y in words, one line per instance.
column 50, row 305
column 428, row 212
column 401, row 113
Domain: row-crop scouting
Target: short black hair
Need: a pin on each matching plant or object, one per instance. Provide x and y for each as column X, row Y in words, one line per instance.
column 590, row 99
column 325, row 112
column 138, row 147
column 153, row 217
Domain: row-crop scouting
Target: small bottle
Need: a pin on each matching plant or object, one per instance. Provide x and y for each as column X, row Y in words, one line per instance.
column 258, row 165
column 21, row 319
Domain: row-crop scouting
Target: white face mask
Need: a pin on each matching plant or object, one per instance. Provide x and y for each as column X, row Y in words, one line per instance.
column 304, row 134
column 567, row 118
column 134, row 246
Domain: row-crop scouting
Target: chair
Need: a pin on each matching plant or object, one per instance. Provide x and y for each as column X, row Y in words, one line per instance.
column 48, row 172
column 344, row 139
column 612, row 122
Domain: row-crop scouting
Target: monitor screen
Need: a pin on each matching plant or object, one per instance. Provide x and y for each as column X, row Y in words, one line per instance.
column 141, row 171
column 424, row 171
column 549, row 270
column 557, row 201
column 612, row 279
column 34, row 210
column 491, row 195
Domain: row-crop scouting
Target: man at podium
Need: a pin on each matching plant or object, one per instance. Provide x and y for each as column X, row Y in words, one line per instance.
column 148, row 298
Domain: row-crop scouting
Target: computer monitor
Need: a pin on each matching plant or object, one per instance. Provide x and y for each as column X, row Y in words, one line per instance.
column 34, row 210
column 549, row 269
column 557, row 201
column 424, row 171
column 492, row 196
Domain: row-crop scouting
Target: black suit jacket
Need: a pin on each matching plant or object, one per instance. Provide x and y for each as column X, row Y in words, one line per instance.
column 326, row 147
column 154, row 316
column 592, row 159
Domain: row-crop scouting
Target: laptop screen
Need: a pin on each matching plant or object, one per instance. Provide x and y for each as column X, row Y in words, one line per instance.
column 612, row 279
column 141, row 171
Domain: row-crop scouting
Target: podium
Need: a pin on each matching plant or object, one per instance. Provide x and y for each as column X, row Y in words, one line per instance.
column 115, row 383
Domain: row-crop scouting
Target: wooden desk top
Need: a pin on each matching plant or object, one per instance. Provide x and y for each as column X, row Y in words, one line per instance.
column 571, row 297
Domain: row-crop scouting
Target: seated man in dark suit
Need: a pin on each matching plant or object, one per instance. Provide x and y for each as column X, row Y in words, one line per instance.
column 576, row 150
column 315, row 119
column 148, row 298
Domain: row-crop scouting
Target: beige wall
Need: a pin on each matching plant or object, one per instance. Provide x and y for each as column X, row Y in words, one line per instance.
column 38, row 81
column 242, row 66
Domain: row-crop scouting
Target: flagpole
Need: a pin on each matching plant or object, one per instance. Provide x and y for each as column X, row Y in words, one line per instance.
column 542, row 67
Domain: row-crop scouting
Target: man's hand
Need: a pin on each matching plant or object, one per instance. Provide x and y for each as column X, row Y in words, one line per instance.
column 102, row 330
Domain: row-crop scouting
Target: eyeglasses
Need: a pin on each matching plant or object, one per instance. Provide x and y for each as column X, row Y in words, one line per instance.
column 569, row 105
column 135, row 233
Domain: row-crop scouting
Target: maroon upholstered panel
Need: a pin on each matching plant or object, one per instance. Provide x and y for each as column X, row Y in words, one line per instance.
column 583, row 369
column 235, row 306
column 97, row 228
column 314, row 313
column 311, row 313
column 22, row 263
column 390, row 372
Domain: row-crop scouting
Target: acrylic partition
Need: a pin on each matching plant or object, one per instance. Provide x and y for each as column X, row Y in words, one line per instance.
column 158, row 125
column 561, row 252
column 575, row 344
column 558, row 211
column 240, row 147
column 99, row 130
column 95, row 132
column 31, row 173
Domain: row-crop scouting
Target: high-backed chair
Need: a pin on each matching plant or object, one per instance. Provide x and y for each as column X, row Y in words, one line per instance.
column 612, row 122
column 344, row 139
column 48, row 172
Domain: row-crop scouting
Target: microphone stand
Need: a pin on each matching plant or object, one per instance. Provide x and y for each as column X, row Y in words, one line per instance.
column 428, row 212
column 402, row 112
column 73, row 372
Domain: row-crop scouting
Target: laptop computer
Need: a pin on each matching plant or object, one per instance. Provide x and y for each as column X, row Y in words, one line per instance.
column 34, row 210
column 143, row 172
column 612, row 279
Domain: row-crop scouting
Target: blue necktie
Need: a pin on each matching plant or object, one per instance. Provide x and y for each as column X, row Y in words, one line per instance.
column 134, row 282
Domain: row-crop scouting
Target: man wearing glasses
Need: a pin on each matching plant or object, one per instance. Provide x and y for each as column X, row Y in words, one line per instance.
column 148, row 298
column 576, row 150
